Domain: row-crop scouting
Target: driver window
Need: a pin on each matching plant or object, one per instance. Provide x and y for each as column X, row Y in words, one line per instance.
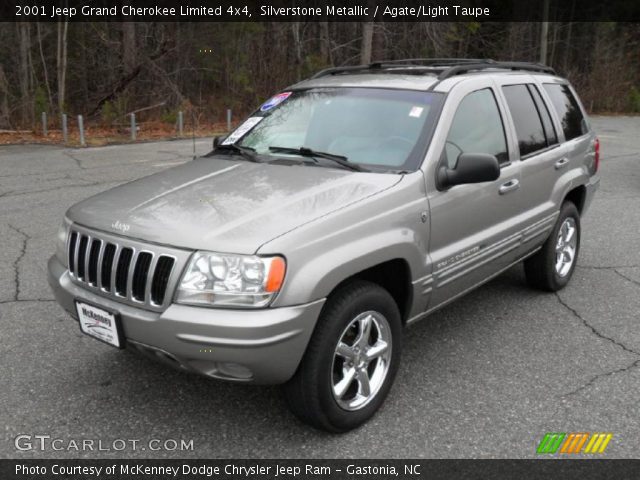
column 476, row 128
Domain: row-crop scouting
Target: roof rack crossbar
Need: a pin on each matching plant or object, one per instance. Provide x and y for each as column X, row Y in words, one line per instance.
column 406, row 62
column 443, row 67
column 525, row 66
column 431, row 61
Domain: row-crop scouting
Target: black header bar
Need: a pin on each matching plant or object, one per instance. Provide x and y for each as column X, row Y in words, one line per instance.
column 318, row 10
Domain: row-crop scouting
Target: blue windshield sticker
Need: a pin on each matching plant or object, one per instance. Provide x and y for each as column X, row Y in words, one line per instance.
column 275, row 100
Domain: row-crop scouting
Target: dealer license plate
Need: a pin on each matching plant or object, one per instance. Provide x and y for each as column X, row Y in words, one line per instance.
column 100, row 324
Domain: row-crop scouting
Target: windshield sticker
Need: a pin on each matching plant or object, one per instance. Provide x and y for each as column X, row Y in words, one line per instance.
column 239, row 132
column 275, row 100
column 416, row 112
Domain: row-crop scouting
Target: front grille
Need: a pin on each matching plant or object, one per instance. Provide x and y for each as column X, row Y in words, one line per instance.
column 82, row 254
column 120, row 269
column 107, row 266
column 139, row 281
column 161, row 279
column 73, row 240
column 122, row 273
column 93, row 261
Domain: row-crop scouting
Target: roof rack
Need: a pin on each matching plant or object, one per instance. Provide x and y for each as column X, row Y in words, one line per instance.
column 431, row 61
column 442, row 67
column 486, row 64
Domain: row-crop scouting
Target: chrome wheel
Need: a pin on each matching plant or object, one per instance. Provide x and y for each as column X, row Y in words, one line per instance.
column 361, row 360
column 566, row 246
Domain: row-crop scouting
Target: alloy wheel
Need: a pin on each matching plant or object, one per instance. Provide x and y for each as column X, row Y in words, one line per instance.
column 566, row 246
column 361, row 360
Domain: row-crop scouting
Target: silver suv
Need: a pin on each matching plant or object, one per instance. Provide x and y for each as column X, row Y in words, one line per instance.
column 346, row 207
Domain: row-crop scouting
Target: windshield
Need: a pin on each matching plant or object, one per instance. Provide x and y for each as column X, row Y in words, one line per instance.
column 369, row 126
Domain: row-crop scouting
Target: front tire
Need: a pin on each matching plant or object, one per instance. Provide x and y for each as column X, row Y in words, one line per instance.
column 351, row 361
column 552, row 267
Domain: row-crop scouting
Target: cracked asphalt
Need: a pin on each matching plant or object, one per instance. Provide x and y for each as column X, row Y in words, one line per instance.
column 485, row 377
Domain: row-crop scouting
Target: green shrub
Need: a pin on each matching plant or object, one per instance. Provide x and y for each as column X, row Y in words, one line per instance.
column 108, row 114
column 169, row 117
column 40, row 102
column 634, row 99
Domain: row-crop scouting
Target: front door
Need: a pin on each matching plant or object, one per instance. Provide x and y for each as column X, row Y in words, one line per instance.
column 474, row 230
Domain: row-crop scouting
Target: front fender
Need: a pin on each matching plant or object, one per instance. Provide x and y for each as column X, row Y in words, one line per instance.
column 387, row 226
column 317, row 277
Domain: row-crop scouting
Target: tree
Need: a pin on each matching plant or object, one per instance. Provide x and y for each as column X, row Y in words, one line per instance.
column 24, row 74
column 136, row 65
column 44, row 65
column 544, row 32
column 367, row 42
column 63, row 28
column 129, row 46
column 4, row 100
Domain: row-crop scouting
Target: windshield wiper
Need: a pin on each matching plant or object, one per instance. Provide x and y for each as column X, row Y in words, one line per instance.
column 247, row 152
column 307, row 152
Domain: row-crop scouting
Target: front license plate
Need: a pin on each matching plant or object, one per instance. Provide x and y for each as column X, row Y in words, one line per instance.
column 100, row 324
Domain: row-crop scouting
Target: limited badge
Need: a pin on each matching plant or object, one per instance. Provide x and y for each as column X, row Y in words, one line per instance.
column 275, row 100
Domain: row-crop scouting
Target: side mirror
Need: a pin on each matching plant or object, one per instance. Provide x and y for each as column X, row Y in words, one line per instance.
column 471, row 168
column 218, row 140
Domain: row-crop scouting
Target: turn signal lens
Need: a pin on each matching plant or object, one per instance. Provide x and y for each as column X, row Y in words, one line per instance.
column 276, row 275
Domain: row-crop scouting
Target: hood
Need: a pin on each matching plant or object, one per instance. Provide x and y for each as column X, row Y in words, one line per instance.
column 225, row 205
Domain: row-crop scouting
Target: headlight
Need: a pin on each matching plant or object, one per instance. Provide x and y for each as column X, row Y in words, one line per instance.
column 217, row 279
column 61, row 242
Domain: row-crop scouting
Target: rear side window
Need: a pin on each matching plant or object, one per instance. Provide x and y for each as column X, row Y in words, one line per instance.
column 529, row 129
column 565, row 104
column 476, row 128
column 543, row 111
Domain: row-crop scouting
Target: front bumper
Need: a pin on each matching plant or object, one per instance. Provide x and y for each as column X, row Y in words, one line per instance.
column 259, row 346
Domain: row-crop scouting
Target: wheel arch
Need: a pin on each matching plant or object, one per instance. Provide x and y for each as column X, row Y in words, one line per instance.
column 394, row 276
column 577, row 196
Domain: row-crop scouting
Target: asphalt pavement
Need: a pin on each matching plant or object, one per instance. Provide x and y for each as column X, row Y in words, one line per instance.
column 485, row 377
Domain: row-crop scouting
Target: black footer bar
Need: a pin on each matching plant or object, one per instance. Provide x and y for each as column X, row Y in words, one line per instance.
column 311, row 469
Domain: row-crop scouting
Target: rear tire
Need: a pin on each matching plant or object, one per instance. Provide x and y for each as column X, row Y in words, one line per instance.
column 551, row 268
column 351, row 360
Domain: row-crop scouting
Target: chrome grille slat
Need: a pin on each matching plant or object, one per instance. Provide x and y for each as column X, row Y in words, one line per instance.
column 87, row 251
column 149, row 275
column 92, row 262
column 114, row 270
column 122, row 272
column 103, row 247
column 71, row 251
column 107, row 266
column 140, row 274
column 81, row 258
column 130, row 269
column 76, row 252
column 161, row 278
column 114, row 266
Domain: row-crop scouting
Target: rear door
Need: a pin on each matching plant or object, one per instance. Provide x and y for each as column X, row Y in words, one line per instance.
column 542, row 156
column 573, row 124
column 472, row 232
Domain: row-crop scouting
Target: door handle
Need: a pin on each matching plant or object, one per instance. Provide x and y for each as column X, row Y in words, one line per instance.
column 561, row 163
column 510, row 186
